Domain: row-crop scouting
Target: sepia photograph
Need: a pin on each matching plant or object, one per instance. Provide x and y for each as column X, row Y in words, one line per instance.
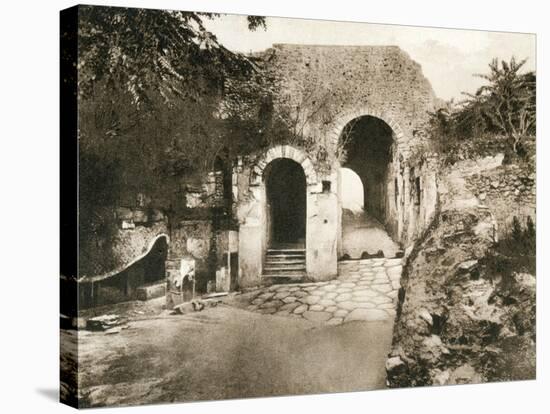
column 256, row 206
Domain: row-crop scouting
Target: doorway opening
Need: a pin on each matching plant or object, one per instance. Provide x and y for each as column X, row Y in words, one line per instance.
column 286, row 204
column 364, row 188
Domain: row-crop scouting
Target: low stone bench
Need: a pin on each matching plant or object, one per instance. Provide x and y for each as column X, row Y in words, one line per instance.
column 151, row 291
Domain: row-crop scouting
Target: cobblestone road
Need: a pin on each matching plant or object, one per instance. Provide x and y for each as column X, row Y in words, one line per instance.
column 366, row 290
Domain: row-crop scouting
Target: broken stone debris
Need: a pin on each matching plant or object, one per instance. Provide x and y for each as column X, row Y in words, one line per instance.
column 106, row 323
column 196, row 305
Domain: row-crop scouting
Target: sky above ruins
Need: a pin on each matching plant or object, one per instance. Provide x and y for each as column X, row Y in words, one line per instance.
column 449, row 57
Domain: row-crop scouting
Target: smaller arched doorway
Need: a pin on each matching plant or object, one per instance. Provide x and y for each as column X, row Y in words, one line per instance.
column 286, row 204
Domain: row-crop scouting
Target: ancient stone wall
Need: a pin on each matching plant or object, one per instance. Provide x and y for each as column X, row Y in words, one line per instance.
column 330, row 86
column 321, row 89
column 508, row 191
column 353, row 81
column 457, row 322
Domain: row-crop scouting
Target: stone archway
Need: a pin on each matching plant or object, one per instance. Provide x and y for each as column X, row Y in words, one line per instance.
column 374, row 144
column 359, row 112
column 283, row 151
column 317, row 256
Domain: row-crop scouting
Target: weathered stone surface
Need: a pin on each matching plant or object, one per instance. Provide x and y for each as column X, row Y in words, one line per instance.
column 365, row 292
column 380, row 299
column 300, row 309
column 347, row 305
column 340, row 313
column 329, row 287
column 383, row 288
column 361, row 314
column 394, row 362
column 311, row 300
column 266, row 295
column 443, row 296
column 290, row 306
column 335, row 321
column 289, row 299
column 366, row 304
column 317, row 316
column 327, row 302
column 396, row 270
column 362, row 298
column 271, row 304
column 343, row 297
column 282, row 295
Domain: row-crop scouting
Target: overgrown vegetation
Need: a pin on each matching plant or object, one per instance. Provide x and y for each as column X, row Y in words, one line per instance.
column 149, row 87
column 514, row 253
column 500, row 115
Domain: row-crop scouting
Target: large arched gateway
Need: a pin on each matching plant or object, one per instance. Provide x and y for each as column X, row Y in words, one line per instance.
column 368, row 150
column 365, row 106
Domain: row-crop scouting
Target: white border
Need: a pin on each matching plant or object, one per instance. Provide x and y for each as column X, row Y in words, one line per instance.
column 29, row 163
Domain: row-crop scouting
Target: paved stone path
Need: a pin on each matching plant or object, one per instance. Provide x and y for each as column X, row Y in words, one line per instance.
column 365, row 290
column 363, row 233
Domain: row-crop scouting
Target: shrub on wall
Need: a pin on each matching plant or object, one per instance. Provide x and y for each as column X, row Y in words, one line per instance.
column 500, row 115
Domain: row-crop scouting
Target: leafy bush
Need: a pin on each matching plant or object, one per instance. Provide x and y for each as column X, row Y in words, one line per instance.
column 501, row 113
column 514, row 253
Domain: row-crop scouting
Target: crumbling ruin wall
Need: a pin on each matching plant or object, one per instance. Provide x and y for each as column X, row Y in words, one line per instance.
column 456, row 323
column 326, row 87
column 353, row 81
column 202, row 230
column 509, row 191
column 319, row 90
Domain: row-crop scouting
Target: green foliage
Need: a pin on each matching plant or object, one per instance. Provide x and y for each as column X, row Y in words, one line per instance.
column 501, row 114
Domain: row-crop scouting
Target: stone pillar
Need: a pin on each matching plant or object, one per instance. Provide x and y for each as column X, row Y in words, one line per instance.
column 252, row 239
column 322, row 233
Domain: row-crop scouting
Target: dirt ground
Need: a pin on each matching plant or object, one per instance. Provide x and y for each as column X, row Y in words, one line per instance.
column 225, row 352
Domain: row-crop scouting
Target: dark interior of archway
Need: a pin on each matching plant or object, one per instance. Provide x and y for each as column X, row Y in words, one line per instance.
column 286, row 196
column 368, row 143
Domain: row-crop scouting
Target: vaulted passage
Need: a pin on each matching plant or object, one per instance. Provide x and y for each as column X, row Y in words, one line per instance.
column 364, row 183
column 286, row 203
column 367, row 141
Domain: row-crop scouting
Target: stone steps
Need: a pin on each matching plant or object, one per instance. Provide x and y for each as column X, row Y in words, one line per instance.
column 281, row 267
column 285, row 265
column 283, row 261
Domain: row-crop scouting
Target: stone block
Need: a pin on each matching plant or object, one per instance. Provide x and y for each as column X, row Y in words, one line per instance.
column 152, row 291
column 140, row 216
column 124, row 213
column 127, row 225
